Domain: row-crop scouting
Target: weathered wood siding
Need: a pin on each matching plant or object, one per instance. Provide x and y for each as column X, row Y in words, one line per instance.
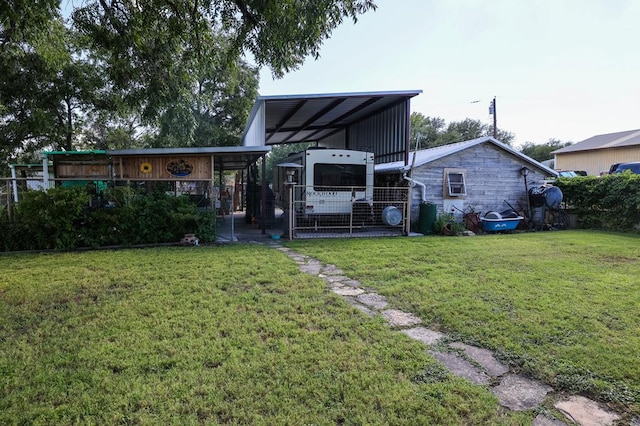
column 131, row 167
column 82, row 169
column 491, row 176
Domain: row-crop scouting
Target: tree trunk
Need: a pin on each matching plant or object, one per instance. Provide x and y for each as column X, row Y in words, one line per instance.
column 68, row 146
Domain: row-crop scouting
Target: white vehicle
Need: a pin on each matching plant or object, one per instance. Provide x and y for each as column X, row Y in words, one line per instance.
column 328, row 182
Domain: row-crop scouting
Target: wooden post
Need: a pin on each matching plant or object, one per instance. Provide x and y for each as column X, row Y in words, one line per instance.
column 213, row 183
column 9, row 204
column 263, row 210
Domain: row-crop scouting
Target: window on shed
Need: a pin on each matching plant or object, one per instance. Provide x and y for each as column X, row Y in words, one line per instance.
column 455, row 183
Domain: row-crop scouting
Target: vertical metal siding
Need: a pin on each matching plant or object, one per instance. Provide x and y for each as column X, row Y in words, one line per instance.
column 596, row 161
column 384, row 133
column 337, row 140
column 256, row 133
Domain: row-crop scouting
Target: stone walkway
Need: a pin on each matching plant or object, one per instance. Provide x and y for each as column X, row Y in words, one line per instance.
column 478, row 365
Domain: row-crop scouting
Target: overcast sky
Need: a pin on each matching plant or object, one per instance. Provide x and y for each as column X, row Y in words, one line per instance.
column 563, row 69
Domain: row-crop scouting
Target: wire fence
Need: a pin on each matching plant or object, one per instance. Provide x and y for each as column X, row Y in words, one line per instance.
column 315, row 212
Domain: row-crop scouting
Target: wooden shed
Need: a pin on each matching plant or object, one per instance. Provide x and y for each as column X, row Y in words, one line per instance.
column 192, row 169
column 481, row 174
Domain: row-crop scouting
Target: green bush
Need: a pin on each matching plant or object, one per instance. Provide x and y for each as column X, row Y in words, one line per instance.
column 445, row 224
column 607, row 202
column 66, row 218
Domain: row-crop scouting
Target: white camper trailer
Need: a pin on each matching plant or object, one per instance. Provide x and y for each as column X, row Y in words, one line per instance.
column 328, row 181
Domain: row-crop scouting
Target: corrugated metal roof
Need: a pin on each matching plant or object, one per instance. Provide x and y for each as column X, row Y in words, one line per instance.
column 228, row 157
column 91, row 152
column 607, row 140
column 301, row 118
column 192, row 150
column 429, row 155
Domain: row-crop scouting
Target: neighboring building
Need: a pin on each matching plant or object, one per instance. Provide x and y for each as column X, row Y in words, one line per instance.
column 481, row 174
column 596, row 154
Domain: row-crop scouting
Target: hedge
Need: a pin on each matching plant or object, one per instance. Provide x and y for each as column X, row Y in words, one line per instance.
column 67, row 218
column 608, row 202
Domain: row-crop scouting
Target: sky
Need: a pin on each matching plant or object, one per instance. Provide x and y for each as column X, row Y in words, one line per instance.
column 561, row 69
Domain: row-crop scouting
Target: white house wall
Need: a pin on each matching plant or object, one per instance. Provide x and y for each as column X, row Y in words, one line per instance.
column 492, row 175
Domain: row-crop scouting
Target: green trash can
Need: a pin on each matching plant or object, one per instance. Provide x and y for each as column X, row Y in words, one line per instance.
column 427, row 218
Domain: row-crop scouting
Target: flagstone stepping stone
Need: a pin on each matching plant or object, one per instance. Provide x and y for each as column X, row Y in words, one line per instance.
column 586, row 412
column 519, row 393
column 483, row 357
column 374, row 300
column 298, row 258
column 312, row 269
column 347, row 291
column 352, row 283
column 424, row 335
column 461, row 367
column 332, row 270
column 334, row 278
column 397, row 318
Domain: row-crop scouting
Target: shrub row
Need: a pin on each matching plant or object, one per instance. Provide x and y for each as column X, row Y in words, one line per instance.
column 66, row 218
column 607, row 202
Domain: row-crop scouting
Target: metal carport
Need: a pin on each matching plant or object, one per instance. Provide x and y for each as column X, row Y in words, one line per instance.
column 377, row 122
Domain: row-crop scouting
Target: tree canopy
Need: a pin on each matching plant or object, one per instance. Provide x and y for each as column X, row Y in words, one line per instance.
column 123, row 73
column 429, row 132
column 542, row 152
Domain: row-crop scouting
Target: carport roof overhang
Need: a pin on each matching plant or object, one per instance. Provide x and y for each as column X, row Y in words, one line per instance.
column 225, row 157
column 307, row 118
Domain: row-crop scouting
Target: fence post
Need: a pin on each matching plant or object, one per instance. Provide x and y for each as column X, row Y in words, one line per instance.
column 407, row 206
column 9, row 204
column 288, row 211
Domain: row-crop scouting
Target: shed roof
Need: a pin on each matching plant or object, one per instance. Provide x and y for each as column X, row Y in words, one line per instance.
column 228, row 157
column 607, row 140
column 429, row 155
column 301, row 118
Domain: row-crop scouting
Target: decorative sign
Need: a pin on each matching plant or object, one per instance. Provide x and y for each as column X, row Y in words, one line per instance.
column 146, row 168
column 179, row 168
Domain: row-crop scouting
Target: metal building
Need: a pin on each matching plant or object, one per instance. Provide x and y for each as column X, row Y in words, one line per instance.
column 596, row 154
column 375, row 122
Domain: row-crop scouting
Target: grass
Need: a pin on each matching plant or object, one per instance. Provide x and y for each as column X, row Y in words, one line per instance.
column 231, row 334
column 563, row 307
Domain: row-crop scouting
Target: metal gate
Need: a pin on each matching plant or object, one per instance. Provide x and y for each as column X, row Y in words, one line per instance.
column 334, row 212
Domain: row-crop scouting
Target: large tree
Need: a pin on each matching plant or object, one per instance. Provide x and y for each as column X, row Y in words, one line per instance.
column 425, row 131
column 47, row 88
column 171, row 71
column 542, row 152
column 179, row 61
column 429, row 132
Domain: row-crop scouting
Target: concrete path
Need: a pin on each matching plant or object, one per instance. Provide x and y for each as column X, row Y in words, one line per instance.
column 480, row 366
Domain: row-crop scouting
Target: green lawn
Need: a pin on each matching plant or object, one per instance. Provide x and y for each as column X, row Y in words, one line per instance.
column 563, row 307
column 231, row 334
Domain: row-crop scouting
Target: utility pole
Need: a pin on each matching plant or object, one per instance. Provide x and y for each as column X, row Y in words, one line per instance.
column 492, row 110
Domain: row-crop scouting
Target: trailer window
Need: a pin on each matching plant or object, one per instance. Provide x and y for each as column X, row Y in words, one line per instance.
column 333, row 175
